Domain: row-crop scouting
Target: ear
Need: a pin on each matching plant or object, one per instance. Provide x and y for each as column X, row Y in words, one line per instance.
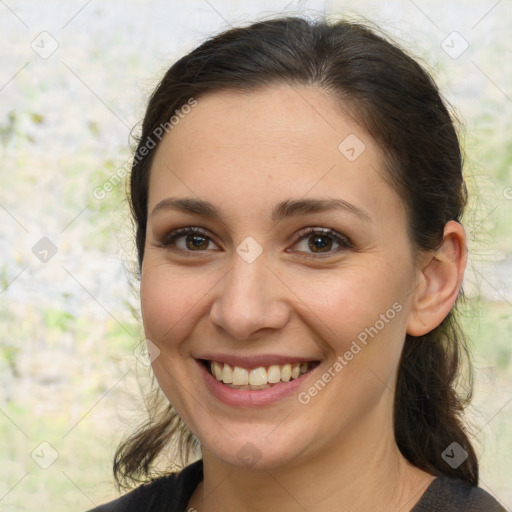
column 440, row 281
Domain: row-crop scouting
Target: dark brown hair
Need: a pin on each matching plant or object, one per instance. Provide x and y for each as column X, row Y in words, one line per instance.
column 391, row 96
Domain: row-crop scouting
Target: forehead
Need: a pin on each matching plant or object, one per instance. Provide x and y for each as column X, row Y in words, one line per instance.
column 266, row 144
column 280, row 120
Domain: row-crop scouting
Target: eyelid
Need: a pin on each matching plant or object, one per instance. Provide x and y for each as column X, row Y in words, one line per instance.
column 168, row 239
column 343, row 240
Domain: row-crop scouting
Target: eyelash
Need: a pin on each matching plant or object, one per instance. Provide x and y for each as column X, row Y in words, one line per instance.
column 343, row 241
column 170, row 239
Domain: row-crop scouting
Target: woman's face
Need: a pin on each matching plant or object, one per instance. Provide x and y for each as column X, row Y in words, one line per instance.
column 275, row 250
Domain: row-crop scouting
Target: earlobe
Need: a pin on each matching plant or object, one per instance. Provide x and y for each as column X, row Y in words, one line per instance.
column 440, row 282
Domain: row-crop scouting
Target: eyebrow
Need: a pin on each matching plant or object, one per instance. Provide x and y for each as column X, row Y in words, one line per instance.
column 288, row 208
column 293, row 207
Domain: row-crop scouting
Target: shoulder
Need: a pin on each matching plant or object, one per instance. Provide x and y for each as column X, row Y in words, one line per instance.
column 451, row 495
column 169, row 493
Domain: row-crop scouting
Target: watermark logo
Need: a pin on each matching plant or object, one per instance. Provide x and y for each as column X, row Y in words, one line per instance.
column 44, row 250
column 351, row 147
column 249, row 454
column 249, row 250
column 146, row 352
column 45, row 45
column 143, row 150
column 454, row 45
column 305, row 397
column 454, row 455
column 44, row 455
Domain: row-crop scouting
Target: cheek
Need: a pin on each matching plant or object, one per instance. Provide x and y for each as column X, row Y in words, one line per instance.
column 356, row 304
column 361, row 321
column 170, row 301
column 352, row 296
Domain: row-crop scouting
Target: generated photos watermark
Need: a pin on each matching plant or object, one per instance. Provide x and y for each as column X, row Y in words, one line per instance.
column 143, row 150
column 356, row 346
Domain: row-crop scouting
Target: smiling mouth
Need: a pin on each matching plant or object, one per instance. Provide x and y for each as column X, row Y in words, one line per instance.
column 255, row 379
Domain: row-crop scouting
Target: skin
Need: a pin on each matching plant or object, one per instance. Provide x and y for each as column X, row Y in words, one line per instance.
column 245, row 153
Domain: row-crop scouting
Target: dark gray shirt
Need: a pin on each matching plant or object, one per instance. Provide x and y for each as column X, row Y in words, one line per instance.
column 171, row 493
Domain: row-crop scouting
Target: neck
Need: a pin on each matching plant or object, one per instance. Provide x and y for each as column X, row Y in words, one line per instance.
column 362, row 471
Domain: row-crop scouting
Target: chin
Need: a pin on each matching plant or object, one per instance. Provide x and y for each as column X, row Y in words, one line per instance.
column 248, row 452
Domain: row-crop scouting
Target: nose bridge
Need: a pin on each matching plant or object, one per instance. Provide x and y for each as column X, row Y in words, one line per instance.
column 249, row 299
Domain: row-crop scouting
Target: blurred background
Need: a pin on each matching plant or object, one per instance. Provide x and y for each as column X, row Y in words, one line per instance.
column 74, row 80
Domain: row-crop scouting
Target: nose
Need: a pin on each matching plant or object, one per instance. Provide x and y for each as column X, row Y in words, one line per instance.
column 250, row 299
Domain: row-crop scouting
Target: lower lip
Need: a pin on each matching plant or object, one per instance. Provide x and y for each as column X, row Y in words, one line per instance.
column 247, row 398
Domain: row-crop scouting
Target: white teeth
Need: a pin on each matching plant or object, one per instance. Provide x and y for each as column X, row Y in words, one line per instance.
column 258, row 376
column 286, row 372
column 216, row 370
column 261, row 376
column 240, row 376
column 274, row 374
column 227, row 374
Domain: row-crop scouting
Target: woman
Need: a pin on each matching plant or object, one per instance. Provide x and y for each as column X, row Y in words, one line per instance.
column 297, row 194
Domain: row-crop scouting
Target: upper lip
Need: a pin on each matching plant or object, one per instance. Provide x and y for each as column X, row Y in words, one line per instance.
column 255, row 361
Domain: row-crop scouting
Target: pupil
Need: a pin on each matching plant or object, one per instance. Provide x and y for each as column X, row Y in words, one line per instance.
column 319, row 243
column 196, row 242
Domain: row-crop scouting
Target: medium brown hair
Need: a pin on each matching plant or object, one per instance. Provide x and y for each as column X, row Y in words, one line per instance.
column 397, row 102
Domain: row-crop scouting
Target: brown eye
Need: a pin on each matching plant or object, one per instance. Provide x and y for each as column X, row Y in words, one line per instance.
column 189, row 239
column 320, row 243
column 196, row 242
